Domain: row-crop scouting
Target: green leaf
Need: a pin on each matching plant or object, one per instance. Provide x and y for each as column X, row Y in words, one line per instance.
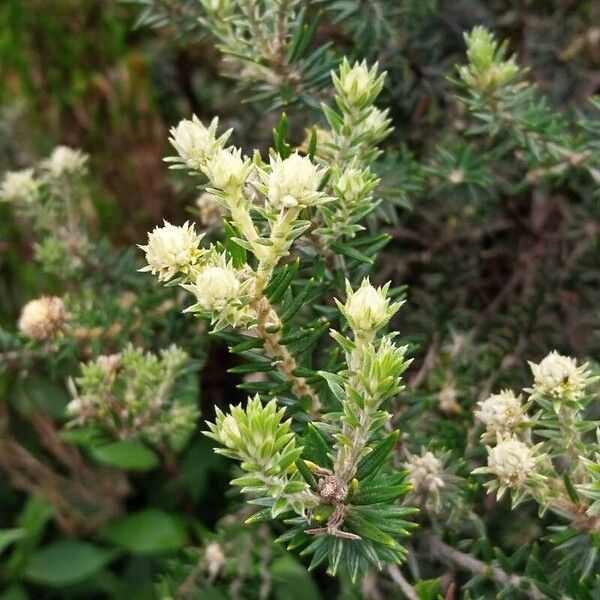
column 8, row 536
column 259, row 517
column 281, row 282
column 306, row 473
column 298, row 302
column 428, row 589
column 351, row 252
column 14, row 592
column 32, row 520
column 66, row 562
column 373, row 461
column 383, row 493
column 279, row 135
column 146, row 532
column 237, row 253
column 312, row 144
column 316, row 447
column 127, row 455
column 571, row 489
column 368, row 531
column 291, row 581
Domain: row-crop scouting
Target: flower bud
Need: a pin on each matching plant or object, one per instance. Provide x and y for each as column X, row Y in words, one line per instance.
column 487, row 69
column 559, row 377
column 19, row 186
column 293, row 181
column 367, row 309
column 171, row 249
column 511, row 461
column 65, row 161
column 219, row 8
column 42, row 318
column 375, row 126
column 351, row 185
column 357, row 84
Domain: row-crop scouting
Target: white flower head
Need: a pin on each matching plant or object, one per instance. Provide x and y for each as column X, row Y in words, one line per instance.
column 448, row 398
column 559, row 377
column 195, row 143
column 368, row 308
column 74, row 406
column 65, row 161
column 211, row 211
column 215, row 287
column 19, row 186
column 109, row 362
column 293, row 181
column 227, row 170
column 42, row 318
column 501, row 413
column 214, row 559
column 511, row 461
column 171, row 249
column 425, row 473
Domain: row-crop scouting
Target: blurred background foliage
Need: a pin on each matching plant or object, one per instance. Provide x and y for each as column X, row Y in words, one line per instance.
column 500, row 260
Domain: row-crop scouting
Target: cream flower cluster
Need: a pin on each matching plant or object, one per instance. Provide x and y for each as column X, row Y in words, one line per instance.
column 227, row 170
column 171, row 249
column 65, row 161
column 214, row 559
column 42, row 318
column 210, row 211
column 195, row 143
column 19, row 186
column 425, row 473
column 215, row 287
column 501, row 413
column 511, row 461
column 293, row 181
column 559, row 377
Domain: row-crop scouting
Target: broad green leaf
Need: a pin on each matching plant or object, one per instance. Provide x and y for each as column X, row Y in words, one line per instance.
column 66, row 562
column 146, row 532
column 8, row 536
column 127, row 455
column 428, row 589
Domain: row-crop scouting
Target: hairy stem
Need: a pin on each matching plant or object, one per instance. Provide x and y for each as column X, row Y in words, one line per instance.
column 286, row 363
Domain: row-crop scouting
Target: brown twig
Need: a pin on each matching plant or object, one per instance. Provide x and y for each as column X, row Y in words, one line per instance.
column 405, row 587
column 469, row 563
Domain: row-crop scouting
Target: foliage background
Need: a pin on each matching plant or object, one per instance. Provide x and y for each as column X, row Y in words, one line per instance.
column 506, row 271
